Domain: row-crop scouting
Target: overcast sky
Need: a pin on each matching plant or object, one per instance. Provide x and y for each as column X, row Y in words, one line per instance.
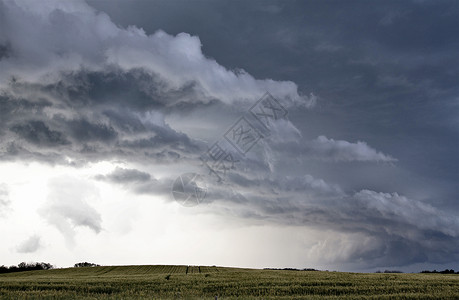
column 349, row 162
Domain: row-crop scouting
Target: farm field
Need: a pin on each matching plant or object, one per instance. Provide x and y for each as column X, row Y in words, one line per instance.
column 204, row 282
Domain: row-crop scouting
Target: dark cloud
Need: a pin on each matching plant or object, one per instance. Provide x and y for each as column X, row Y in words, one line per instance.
column 63, row 123
column 13, row 107
column 139, row 182
column 100, row 45
column 120, row 175
column 403, row 231
column 385, row 74
column 105, row 92
column 4, row 51
column 84, row 131
column 36, row 132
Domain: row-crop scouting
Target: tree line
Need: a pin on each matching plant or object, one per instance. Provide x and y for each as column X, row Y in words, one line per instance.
column 23, row 266
column 26, row 267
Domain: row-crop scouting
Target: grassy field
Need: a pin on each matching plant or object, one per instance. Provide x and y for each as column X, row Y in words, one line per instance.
column 201, row 282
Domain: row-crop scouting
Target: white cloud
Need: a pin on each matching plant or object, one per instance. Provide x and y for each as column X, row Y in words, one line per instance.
column 339, row 150
column 71, row 36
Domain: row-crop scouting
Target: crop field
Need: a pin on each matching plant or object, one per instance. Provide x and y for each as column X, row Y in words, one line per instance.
column 204, row 282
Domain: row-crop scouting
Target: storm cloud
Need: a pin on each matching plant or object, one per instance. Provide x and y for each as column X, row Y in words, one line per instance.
column 366, row 150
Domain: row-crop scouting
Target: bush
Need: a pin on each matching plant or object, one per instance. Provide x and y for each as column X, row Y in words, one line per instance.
column 85, row 264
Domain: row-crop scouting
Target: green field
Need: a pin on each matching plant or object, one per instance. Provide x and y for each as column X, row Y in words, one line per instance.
column 193, row 282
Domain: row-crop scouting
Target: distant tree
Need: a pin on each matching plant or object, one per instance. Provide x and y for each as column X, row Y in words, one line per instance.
column 22, row 265
column 46, row 266
column 85, row 264
column 13, row 269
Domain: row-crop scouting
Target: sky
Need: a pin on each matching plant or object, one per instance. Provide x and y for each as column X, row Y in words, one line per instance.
column 304, row 134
